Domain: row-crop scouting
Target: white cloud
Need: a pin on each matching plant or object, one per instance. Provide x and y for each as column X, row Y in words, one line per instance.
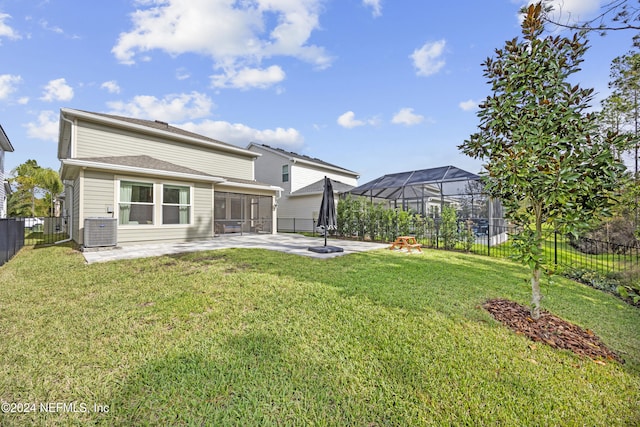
column 57, row 90
column 469, row 105
column 6, row 30
column 578, row 9
column 54, row 29
column 111, row 86
column 237, row 35
column 348, row 120
column 376, row 6
column 407, row 117
column 240, row 134
column 182, row 74
column 8, row 83
column 249, row 78
column 428, row 59
column 171, row 108
column 568, row 11
column 45, row 128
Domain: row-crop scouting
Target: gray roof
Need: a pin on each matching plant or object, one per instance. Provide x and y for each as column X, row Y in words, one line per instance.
column 303, row 157
column 145, row 162
column 151, row 163
column 318, row 188
column 160, row 125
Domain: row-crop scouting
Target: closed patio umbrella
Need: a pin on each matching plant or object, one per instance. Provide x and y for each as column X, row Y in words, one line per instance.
column 327, row 218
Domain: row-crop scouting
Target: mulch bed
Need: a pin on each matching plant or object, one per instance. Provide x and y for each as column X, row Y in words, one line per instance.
column 550, row 329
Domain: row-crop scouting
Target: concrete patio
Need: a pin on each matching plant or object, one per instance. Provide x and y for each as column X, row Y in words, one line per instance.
column 289, row 243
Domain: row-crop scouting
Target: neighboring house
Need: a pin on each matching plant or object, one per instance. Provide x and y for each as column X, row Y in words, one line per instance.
column 302, row 179
column 159, row 182
column 5, row 189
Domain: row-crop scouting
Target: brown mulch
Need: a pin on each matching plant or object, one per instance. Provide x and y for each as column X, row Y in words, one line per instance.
column 550, row 329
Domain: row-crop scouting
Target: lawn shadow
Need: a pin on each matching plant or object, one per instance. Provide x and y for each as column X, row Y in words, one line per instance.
column 250, row 378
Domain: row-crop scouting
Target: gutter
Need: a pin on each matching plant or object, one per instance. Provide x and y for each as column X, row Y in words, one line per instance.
column 66, row 183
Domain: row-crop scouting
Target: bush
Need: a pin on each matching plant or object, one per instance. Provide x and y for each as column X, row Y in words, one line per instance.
column 449, row 227
column 625, row 285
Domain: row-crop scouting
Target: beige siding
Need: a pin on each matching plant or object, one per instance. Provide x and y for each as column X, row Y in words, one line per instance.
column 201, row 226
column 99, row 191
column 99, row 194
column 95, row 140
column 76, row 211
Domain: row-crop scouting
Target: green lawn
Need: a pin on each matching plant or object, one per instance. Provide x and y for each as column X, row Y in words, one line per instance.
column 253, row 337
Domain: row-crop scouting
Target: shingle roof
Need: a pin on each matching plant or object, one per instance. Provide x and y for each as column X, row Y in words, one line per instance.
column 160, row 125
column 145, row 162
column 151, row 163
column 303, row 157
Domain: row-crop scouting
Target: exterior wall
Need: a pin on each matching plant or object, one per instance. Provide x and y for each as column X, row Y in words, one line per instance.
column 98, row 195
column 269, row 169
column 99, row 192
column 303, row 175
column 95, row 140
column 304, row 209
column 3, row 196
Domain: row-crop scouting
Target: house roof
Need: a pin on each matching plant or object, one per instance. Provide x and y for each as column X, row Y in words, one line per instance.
column 5, row 144
column 318, row 188
column 144, row 165
column 295, row 157
column 149, row 166
column 444, row 180
column 151, row 126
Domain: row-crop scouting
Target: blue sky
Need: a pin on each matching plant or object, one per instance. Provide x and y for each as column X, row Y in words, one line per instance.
column 375, row 86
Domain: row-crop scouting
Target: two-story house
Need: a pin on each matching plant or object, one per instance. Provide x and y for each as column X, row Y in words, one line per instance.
column 5, row 146
column 157, row 182
column 302, row 179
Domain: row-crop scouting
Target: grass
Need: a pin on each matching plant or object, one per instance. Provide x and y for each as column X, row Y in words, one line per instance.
column 253, row 337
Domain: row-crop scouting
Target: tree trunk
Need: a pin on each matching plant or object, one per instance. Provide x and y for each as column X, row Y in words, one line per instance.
column 535, row 294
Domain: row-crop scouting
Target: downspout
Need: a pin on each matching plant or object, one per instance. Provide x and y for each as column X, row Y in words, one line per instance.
column 70, row 225
column 70, row 211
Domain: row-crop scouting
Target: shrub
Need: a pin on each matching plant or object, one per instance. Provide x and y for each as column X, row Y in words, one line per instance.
column 449, row 227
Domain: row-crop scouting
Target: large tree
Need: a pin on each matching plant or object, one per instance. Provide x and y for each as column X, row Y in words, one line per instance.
column 545, row 159
column 34, row 190
column 621, row 110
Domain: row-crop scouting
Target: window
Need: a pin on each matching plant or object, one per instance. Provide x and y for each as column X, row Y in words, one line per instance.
column 176, row 204
column 136, row 203
column 285, row 173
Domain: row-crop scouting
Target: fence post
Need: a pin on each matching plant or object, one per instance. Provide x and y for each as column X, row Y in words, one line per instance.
column 488, row 241
column 555, row 247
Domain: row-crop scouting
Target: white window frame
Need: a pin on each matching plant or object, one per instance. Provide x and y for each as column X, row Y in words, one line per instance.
column 158, row 199
column 189, row 205
column 153, row 204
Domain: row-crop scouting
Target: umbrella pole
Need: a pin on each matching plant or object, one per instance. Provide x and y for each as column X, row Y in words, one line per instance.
column 326, row 217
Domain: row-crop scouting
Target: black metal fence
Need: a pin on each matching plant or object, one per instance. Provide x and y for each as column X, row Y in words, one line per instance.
column 11, row 238
column 18, row 232
column 485, row 237
column 297, row 225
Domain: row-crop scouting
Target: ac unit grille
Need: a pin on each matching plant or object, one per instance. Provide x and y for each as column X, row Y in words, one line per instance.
column 100, row 232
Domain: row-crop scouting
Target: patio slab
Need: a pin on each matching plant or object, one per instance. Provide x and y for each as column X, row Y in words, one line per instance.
column 290, row 243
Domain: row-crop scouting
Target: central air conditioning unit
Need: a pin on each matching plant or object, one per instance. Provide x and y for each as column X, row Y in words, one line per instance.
column 100, row 232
